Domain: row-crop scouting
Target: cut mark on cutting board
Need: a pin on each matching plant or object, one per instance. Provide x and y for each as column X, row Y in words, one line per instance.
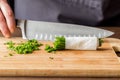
column 115, row 43
column 118, row 54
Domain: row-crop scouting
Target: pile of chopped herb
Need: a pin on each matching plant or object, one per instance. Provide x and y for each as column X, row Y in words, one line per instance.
column 24, row 48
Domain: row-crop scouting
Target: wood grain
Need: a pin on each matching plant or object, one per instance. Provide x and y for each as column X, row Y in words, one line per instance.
column 115, row 43
column 103, row 62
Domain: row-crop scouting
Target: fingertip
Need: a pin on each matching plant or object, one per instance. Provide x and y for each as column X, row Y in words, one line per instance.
column 6, row 33
column 12, row 30
column 7, row 36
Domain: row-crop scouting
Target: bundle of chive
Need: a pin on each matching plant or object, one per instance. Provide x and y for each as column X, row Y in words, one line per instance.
column 76, row 43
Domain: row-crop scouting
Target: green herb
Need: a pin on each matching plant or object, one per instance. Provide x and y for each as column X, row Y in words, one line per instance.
column 51, row 58
column 24, row 48
column 100, row 42
column 10, row 54
column 49, row 49
column 59, row 44
column 10, row 45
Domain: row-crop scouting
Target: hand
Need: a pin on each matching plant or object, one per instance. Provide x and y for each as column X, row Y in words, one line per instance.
column 7, row 20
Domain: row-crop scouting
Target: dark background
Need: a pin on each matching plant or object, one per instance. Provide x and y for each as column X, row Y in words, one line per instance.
column 111, row 13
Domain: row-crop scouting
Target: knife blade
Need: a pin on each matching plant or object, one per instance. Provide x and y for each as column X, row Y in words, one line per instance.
column 49, row 30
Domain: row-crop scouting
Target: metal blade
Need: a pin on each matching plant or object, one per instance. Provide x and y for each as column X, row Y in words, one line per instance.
column 48, row 30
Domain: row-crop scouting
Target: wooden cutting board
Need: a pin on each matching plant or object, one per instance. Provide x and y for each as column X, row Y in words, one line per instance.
column 101, row 63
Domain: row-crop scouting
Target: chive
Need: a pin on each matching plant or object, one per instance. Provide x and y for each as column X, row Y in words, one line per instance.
column 59, row 44
column 10, row 54
column 51, row 58
column 100, row 42
column 49, row 49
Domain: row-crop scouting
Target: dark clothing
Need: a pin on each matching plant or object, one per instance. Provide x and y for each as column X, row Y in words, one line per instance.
column 84, row 12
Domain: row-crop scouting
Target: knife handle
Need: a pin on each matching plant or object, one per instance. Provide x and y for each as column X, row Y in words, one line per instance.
column 22, row 25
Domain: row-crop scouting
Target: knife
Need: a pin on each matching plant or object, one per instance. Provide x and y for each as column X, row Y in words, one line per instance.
column 40, row 30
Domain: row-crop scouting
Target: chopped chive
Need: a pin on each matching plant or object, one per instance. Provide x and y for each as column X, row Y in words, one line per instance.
column 24, row 48
column 51, row 58
column 10, row 54
column 100, row 42
column 49, row 49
